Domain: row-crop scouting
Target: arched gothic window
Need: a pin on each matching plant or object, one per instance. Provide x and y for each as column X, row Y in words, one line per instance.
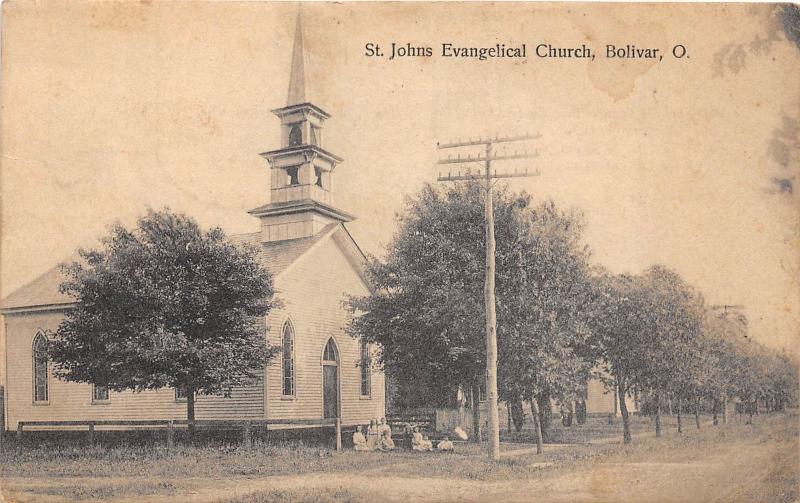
column 40, row 377
column 295, row 136
column 366, row 370
column 331, row 354
column 287, row 342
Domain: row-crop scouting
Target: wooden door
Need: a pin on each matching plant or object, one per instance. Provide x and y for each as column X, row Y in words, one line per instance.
column 330, row 391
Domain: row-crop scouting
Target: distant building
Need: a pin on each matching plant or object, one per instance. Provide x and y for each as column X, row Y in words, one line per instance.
column 314, row 262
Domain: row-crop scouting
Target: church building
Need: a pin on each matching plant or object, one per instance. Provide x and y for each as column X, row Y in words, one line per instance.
column 303, row 242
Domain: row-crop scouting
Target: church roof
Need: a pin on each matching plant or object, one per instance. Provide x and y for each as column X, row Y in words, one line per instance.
column 275, row 256
column 42, row 291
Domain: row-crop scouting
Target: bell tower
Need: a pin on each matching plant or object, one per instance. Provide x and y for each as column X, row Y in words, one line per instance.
column 301, row 171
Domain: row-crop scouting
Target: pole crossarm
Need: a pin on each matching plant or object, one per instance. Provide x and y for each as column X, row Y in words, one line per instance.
column 485, row 141
column 479, row 176
column 461, row 160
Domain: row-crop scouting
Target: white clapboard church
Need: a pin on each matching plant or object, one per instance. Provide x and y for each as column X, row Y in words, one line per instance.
column 314, row 262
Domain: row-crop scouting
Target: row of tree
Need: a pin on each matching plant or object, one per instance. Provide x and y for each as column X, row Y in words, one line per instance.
column 560, row 318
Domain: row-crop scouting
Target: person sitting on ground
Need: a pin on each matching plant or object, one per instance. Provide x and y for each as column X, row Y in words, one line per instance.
column 386, row 443
column 359, row 440
column 445, row 445
column 420, row 443
column 373, row 435
column 383, row 426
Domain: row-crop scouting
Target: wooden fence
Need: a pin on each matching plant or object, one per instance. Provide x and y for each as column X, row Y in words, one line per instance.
column 246, row 426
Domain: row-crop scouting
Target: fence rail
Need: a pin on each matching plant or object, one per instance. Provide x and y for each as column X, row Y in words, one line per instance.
column 246, row 425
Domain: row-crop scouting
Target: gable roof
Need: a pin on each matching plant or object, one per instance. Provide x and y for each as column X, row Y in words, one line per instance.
column 42, row 291
column 275, row 256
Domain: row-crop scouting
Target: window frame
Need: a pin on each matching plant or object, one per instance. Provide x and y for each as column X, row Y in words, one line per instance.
column 38, row 339
column 178, row 397
column 365, row 370
column 292, row 378
column 98, row 401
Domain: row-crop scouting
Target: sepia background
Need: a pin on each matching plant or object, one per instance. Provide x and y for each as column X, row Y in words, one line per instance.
column 109, row 108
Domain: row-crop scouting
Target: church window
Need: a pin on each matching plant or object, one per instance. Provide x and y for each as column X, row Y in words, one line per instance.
column 295, row 135
column 40, row 374
column 181, row 393
column 292, row 176
column 287, row 343
column 330, row 354
column 318, row 174
column 99, row 393
column 366, row 371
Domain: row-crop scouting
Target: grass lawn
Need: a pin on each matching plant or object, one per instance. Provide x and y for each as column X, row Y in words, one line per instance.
column 59, row 471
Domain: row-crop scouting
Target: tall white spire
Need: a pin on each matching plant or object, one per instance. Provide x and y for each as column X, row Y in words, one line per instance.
column 298, row 93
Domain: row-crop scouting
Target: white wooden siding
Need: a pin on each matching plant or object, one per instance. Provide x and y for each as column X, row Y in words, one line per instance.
column 312, row 291
column 73, row 401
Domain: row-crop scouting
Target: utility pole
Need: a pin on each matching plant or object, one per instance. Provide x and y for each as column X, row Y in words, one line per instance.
column 491, row 317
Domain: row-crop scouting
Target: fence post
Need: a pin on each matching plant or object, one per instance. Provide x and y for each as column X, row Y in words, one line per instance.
column 19, row 437
column 246, row 439
column 170, row 435
column 91, row 432
column 338, row 434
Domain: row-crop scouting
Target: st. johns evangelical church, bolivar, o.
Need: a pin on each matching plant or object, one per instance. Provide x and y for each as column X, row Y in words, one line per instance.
column 314, row 262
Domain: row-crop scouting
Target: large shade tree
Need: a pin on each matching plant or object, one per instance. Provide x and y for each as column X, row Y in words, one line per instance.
column 427, row 309
column 544, row 335
column 165, row 304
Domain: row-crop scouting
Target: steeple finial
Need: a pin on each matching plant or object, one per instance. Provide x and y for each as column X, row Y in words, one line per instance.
column 297, row 77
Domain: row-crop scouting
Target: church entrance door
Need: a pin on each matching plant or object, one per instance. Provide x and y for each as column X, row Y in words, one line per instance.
column 330, row 381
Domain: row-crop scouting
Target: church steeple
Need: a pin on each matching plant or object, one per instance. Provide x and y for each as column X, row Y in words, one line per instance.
column 301, row 196
column 297, row 77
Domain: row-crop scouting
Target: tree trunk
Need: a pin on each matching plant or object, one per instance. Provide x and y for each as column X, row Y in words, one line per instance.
column 476, row 414
column 658, row 414
column 517, row 414
column 537, row 425
column 545, row 412
column 623, row 408
column 715, row 412
column 697, row 412
column 190, row 410
column 680, row 422
column 724, row 409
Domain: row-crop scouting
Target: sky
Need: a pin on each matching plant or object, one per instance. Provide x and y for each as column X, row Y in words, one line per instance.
column 110, row 108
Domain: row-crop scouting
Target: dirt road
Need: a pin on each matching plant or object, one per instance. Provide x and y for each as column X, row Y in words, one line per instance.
column 739, row 469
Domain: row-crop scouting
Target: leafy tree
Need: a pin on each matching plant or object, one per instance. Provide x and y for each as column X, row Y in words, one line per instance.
column 427, row 312
column 544, row 335
column 672, row 326
column 617, row 336
column 164, row 304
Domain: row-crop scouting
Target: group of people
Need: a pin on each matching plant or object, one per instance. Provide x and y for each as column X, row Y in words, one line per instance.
column 379, row 438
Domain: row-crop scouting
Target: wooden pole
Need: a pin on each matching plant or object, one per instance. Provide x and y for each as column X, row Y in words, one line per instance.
column 338, row 434
column 19, row 437
column 170, row 435
column 246, row 437
column 491, row 320
column 493, row 419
